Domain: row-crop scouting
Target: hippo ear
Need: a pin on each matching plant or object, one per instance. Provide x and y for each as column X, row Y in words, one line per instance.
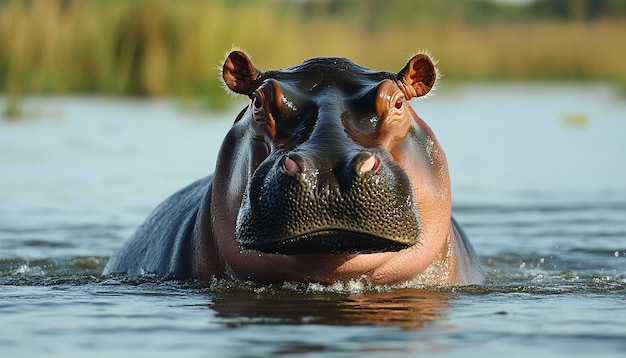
column 239, row 73
column 418, row 76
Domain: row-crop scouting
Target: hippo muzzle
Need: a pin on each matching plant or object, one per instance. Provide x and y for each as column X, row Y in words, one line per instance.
column 296, row 206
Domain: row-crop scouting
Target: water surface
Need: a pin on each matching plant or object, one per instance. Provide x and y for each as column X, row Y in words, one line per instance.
column 539, row 183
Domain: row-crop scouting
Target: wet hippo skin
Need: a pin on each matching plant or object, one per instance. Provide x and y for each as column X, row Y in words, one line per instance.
column 327, row 175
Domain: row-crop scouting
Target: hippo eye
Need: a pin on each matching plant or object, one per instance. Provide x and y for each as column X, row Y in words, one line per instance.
column 399, row 103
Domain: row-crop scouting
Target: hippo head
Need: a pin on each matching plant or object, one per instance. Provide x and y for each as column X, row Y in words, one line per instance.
column 329, row 158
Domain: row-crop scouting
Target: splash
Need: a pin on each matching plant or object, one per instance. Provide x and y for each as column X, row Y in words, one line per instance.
column 29, row 271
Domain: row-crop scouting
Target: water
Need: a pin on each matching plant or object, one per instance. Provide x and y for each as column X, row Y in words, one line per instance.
column 539, row 183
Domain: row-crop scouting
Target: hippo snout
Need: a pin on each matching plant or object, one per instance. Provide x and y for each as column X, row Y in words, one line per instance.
column 367, row 163
column 300, row 205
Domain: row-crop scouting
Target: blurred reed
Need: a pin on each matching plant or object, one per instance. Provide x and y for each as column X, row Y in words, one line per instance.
column 172, row 48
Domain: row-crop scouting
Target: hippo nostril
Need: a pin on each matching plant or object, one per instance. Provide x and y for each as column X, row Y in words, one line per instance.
column 369, row 164
column 289, row 165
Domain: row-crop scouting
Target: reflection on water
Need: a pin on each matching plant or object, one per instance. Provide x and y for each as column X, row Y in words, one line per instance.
column 406, row 308
column 538, row 184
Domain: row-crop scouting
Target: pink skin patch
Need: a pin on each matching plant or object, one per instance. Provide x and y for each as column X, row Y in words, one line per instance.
column 370, row 164
column 290, row 166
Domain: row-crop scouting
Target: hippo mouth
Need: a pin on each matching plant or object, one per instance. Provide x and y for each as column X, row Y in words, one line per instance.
column 330, row 241
column 328, row 211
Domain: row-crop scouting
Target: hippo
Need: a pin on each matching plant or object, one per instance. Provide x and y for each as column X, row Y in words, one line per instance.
column 327, row 175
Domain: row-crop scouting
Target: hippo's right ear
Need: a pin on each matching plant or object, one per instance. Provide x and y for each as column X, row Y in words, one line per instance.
column 418, row 76
column 239, row 73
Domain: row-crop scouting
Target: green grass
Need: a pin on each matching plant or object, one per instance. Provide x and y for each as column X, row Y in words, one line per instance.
column 172, row 48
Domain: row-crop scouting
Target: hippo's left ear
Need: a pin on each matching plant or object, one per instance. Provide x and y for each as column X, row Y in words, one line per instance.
column 239, row 73
column 418, row 76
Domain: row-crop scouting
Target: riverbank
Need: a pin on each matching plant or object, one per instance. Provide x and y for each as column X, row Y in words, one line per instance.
column 168, row 48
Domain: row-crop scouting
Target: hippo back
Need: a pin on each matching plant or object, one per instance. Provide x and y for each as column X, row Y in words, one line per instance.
column 162, row 245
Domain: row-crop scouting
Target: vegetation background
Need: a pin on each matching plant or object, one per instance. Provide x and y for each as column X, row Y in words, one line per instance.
column 173, row 48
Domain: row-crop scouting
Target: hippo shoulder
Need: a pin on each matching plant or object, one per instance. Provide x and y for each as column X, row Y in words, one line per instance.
column 162, row 244
column 468, row 263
